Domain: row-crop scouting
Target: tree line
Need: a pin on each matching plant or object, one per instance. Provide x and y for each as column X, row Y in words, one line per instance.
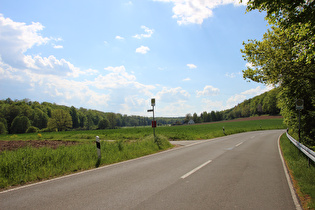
column 25, row 116
column 264, row 104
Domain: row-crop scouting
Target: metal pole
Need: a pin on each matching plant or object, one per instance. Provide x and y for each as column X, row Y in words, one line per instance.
column 153, row 121
column 299, row 125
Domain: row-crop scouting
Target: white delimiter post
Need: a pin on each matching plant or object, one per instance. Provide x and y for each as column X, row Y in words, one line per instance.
column 98, row 146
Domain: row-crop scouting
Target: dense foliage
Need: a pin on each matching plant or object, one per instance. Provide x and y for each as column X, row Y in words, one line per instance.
column 19, row 115
column 264, row 104
column 286, row 58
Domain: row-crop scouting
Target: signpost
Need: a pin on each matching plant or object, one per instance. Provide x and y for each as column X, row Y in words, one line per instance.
column 152, row 110
column 299, row 106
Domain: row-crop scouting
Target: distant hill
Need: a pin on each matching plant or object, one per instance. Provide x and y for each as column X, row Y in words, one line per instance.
column 20, row 116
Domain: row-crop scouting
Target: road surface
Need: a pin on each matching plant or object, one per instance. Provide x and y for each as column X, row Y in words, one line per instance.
column 241, row 171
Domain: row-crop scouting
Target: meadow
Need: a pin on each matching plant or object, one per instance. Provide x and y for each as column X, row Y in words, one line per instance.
column 184, row 132
column 29, row 164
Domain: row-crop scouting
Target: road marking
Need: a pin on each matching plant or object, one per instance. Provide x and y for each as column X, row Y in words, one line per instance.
column 287, row 175
column 239, row 144
column 196, row 169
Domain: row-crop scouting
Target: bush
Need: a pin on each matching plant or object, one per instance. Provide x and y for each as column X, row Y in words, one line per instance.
column 32, row 129
column 20, row 124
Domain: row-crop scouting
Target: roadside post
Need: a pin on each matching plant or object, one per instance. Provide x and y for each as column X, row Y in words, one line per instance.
column 152, row 110
column 98, row 147
column 299, row 106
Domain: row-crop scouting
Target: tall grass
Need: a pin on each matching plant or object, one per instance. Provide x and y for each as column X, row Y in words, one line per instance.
column 302, row 172
column 30, row 164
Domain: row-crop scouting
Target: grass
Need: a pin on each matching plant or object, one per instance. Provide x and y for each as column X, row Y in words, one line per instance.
column 187, row 132
column 30, row 164
column 302, row 173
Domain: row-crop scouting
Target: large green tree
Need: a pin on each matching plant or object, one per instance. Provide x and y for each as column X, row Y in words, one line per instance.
column 285, row 57
column 60, row 119
column 20, row 124
column 75, row 117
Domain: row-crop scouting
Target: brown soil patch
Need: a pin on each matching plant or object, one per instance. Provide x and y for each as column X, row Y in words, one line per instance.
column 249, row 119
column 13, row 145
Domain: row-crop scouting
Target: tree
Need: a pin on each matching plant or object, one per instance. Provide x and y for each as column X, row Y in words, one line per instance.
column 286, row 58
column 112, row 119
column 39, row 118
column 195, row 117
column 213, row 116
column 3, row 129
column 12, row 112
column 187, row 118
column 20, row 124
column 60, row 119
column 75, row 117
column 286, row 13
column 103, row 124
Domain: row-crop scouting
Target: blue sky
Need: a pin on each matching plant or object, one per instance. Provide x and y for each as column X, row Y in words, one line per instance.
column 114, row 56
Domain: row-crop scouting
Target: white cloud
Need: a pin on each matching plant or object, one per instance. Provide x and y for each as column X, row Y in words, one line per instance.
column 42, row 77
column 186, row 79
column 51, row 65
column 174, row 109
column 234, row 100
column 208, row 91
column 16, row 38
column 58, row 46
column 209, row 105
column 191, row 66
column 119, row 38
column 239, row 98
column 169, row 95
column 148, row 33
column 195, row 11
column 257, row 91
column 232, row 75
column 142, row 49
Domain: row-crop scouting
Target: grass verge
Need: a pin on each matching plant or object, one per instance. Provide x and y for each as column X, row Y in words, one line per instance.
column 302, row 174
column 30, row 164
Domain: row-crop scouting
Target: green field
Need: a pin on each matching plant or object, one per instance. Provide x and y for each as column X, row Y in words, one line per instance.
column 30, row 164
column 185, row 132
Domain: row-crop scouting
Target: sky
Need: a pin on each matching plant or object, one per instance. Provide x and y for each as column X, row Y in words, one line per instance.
column 114, row 56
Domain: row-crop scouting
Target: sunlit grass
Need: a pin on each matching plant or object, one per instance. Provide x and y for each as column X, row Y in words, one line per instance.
column 302, row 172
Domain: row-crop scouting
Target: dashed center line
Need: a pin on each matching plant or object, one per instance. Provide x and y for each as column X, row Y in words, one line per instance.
column 196, row 169
column 239, row 144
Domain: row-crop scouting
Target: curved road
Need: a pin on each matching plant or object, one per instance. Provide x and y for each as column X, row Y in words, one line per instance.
column 241, row 171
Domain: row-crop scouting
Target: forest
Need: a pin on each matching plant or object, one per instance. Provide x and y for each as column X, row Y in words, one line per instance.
column 26, row 116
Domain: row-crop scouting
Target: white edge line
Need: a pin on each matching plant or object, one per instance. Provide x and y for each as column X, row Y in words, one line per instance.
column 196, row 169
column 292, row 190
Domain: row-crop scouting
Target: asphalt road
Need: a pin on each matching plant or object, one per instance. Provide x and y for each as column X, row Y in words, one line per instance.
column 242, row 171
